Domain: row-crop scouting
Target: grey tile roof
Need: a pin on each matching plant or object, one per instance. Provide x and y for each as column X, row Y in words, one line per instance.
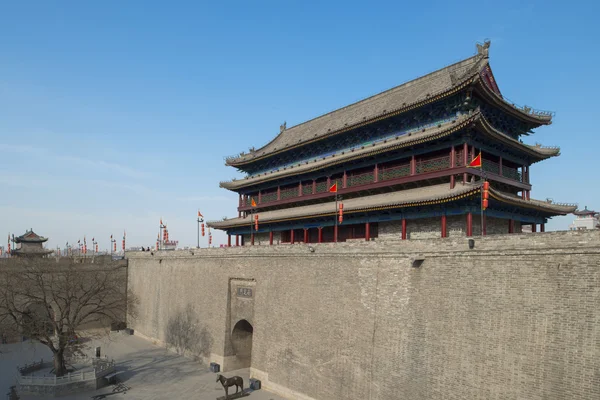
column 427, row 193
column 434, row 193
column 404, row 140
column 397, row 98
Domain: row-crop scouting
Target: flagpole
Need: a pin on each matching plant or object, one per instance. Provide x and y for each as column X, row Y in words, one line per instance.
column 335, row 216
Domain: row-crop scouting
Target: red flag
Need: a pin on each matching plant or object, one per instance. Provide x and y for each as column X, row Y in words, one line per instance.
column 252, row 202
column 333, row 188
column 200, row 214
column 476, row 162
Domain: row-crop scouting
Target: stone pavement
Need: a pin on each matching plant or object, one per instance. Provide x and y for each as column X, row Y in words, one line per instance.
column 151, row 372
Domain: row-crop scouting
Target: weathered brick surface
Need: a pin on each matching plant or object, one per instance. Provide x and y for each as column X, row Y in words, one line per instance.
column 515, row 318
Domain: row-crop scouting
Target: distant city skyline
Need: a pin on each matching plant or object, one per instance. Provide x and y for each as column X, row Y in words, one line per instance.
column 117, row 114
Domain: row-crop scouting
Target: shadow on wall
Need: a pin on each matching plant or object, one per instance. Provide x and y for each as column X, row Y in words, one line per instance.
column 187, row 336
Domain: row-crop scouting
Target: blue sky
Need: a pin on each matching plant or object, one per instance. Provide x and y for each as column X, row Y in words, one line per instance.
column 113, row 114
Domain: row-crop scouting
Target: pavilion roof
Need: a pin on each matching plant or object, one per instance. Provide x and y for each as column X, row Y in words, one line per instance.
column 402, row 98
column 427, row 195
column 538, row 153
column 585, row 211
column 30, row 236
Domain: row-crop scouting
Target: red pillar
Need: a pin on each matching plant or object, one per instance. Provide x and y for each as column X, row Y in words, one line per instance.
column 413, row 165
column 244, row 200
column 252, row 239
column 465, row 160
column 278, row 193
column 376, row 173
column 271, row 238
column 237, row 240
column 228, row 240
column 452, row 164
column 292, row 236
column 511, row 226
column 542, row 227
column 240, row 202
column 403, row 229
column 305, row 235
column 444, row 234
column 533, row 227
column 469, row 224
column 345, row 180
column 320, row 234
column 259, row 196
column 367, row 232
column 528, row 194
column 335, row 233
column 299, row 188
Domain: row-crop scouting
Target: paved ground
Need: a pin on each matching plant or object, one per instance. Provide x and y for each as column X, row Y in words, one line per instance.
column 151, row 372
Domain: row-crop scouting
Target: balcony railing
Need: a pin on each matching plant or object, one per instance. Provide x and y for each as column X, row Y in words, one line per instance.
column 384, row 174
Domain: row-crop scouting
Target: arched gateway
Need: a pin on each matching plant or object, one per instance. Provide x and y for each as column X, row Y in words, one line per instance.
column 241, row 339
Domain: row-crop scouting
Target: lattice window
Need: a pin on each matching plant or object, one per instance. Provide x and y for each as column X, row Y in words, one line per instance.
column 511, row 173
column 322, row 187
column 268, row 197
column 459, row 158
column 307, row 188
column 434, row 164
column 491, row 166
column 394, row 172
column 289, row 193
column 361, row 179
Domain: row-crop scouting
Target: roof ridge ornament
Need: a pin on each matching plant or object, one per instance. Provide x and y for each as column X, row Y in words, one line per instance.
column 484, row 49
column 282, row 127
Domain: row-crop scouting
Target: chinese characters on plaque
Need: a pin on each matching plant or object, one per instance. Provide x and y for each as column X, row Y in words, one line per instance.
column 244, row 292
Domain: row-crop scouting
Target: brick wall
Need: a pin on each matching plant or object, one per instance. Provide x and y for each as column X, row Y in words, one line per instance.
column 514, row 318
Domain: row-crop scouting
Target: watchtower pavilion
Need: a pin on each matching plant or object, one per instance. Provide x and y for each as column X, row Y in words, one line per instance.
column 401, row 163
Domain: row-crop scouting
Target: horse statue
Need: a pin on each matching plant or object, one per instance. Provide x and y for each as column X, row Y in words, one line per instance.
column 227, row 382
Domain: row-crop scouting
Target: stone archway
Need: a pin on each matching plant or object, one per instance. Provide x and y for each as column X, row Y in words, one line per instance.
column 241, row 339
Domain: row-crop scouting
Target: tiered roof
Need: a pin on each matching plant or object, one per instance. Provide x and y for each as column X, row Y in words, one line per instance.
column 400, row 99
column 30, row 237
column 536, row 153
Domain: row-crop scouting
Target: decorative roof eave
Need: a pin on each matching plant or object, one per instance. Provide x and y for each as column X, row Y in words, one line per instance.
column 34, row 239
column 448, row 195
column 388, row 145
column 525, row 113
column 32, row 251
column 551, row 208
column 458, row 86
column 538, row 152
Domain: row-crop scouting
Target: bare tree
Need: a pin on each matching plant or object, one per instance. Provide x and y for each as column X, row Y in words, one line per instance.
column 55, row 302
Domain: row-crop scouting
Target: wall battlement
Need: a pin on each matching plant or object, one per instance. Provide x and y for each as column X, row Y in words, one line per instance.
column 515, row 317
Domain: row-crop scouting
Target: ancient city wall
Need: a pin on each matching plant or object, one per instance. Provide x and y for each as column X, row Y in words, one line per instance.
column 516, row 317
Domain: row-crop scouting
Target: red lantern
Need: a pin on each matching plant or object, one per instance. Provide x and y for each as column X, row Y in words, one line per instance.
column 202, row 225
column 157, row 245
column 123, row 244
column 96, row 248
column 115, row 246
column 256, row 222
column 341, row 217
column 210, row 240
column 485, row 195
